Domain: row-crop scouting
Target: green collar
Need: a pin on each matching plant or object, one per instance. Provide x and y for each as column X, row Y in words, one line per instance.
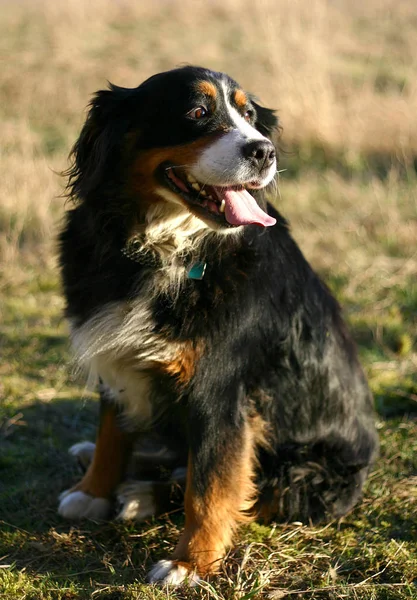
column 197, row 270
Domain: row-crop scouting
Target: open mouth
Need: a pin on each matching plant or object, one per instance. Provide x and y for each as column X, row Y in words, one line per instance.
column 230, row 206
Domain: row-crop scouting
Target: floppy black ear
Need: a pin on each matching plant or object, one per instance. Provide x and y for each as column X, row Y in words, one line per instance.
column 97, row 150
column 266, row 121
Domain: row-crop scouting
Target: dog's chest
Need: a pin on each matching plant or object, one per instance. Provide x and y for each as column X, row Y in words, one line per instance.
column 127, row 347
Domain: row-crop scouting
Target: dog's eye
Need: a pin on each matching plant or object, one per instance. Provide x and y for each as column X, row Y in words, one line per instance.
column 249, row 115
column 198, row 113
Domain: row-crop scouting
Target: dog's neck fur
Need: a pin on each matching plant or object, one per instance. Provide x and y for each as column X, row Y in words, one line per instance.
column 168, row 238
column 170, row 231
column 177, row 239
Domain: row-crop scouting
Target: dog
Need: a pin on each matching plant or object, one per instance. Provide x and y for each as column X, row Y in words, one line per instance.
column 217, row 350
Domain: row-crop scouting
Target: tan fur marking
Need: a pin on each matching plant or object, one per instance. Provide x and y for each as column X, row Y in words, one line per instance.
column 110, row 458
column 147, row 161
column 207, row 88
column 210, row 521
column 183, row 366
column 240, row 98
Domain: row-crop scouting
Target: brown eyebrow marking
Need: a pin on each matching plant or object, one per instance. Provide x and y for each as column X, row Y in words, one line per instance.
column 207, row 88
column 240, row 98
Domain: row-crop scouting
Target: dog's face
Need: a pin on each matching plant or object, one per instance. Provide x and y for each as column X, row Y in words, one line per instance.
column 191, row 137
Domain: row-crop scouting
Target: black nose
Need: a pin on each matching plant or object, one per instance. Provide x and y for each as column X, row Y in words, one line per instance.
column 260, row 152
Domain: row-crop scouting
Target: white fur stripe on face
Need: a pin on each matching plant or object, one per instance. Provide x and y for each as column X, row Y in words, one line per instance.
column 246, row 129
column 222, row 163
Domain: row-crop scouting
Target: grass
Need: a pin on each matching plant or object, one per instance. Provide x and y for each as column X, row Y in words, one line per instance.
column 372, row 553
column 342, row 75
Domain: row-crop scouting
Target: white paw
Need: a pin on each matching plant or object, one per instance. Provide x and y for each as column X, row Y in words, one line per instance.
column 84, row 452
column 168, row 572
column 137, row 500
column 78, row 505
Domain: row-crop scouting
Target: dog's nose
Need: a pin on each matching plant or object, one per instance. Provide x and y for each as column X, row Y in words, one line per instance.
column 260, row 152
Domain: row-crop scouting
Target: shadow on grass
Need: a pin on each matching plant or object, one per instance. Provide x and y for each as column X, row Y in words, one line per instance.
column 34, row 462
column 35, row 467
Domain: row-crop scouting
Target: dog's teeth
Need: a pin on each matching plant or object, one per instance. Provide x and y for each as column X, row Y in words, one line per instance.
column 196, row 186
column 203, row 193
column 209, row 197
column 222, row 206
column 191, row 179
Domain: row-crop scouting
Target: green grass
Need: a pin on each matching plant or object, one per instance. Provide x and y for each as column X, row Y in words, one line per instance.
column 342, row 76
column 371, row 553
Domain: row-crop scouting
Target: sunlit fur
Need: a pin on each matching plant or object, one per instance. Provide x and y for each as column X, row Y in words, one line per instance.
column 246, row 377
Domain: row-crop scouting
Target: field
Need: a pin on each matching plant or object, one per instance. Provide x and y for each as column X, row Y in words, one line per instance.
column 342, row 75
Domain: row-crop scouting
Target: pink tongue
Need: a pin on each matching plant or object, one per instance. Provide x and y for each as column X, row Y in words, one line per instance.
column 242, row 209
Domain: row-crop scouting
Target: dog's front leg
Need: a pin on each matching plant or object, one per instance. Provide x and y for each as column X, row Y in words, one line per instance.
column 90, row 497
column 219, row 495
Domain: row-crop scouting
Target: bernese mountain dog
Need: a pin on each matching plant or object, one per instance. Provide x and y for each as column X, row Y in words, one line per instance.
column 221, row 359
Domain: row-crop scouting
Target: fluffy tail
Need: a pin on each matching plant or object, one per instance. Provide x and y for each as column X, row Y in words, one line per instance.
column 312, row 483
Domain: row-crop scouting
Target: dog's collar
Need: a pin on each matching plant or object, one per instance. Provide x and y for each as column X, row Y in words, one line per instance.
column 134, row 250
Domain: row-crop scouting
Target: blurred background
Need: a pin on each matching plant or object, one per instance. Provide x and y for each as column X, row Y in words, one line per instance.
column 342, row 75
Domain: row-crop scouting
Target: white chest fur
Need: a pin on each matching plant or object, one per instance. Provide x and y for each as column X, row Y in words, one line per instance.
column 119, row 345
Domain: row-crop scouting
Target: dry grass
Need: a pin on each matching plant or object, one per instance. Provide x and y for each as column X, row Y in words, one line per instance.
column 342, row 74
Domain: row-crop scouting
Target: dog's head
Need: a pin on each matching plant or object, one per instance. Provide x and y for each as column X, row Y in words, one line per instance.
column 191, row 137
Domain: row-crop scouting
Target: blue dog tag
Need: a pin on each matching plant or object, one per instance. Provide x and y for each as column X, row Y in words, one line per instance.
column 197, row 270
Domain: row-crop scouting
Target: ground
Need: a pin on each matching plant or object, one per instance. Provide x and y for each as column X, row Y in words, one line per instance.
column 343, row 78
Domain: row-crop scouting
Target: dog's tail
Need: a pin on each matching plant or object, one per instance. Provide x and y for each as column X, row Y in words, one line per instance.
column 316, row 482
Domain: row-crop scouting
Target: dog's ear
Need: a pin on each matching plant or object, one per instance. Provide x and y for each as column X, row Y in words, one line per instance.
column 97, row 150
column 266, row 121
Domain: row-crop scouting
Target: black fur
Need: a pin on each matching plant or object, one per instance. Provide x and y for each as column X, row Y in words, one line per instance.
column 274, row 340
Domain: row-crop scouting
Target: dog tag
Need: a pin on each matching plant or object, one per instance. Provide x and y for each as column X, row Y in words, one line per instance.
column 197, row 270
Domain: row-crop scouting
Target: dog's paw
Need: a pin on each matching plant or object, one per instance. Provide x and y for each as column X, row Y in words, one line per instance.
column 137, row 500
column 173, row 573
column 83, row 452
column 78, row 505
